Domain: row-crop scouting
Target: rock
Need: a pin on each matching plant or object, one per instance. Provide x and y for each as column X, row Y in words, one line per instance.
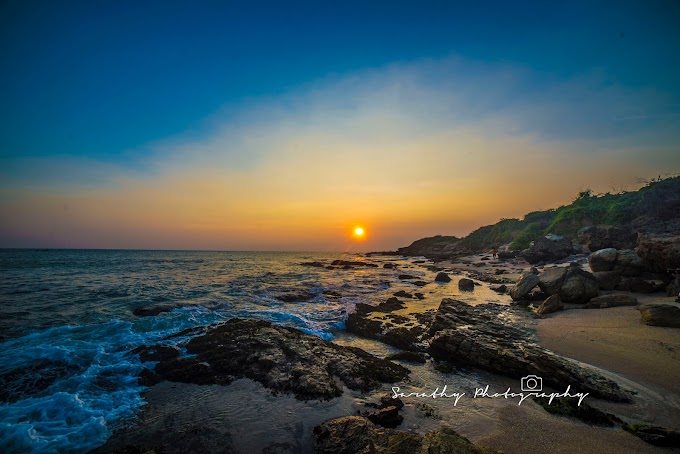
column 412, row 357
column 654, row 435
column 524, row 285
column 295, row 296
column 602, row 260
column 552, row 304
column 611, row 300
column 629, row 263
column 389, row 265
column 156, row 353
column 550, row 280
column 419, row 283
column 388, row 400
column 352, row 263
column 358, row 435
column 392, row 304
column 404, row 277
column 507, row 255
column 660, row 315
column 282, row 359
column 386, row 417
column 603, row 236
column 466, row 285
column 635, row 285
column 442, row 277
column 420, row 296
column 155, row 309
column 500, row 289
column 479, row 336
column 148, row 378
column 607, row 280
column 579, row 286
column 659, row 252
column 313, row 264
column 548, row 249
column 403, row 294
column 498, row 272
column 570, row 406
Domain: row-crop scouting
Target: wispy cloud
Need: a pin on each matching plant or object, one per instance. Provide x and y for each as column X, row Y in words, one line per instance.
column 434, row 146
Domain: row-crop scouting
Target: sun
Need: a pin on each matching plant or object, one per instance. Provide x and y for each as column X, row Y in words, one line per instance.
column 359, row 232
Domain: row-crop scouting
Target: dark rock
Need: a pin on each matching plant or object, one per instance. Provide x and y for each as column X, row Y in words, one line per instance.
column 607, row 280
column 280, row 358
column 612, row 300
column 156, row 353
column 629, row 263
column 295, row 296
column 155, row 309
column 412, row 357
column 466, row 285
column 419, row 283
column 579, row 286
column 602, row 237
column 388, row 400
column 660, row 252
column 479, row 264
column 654, row 435
column 313, row 264
column 420, row 296
column 524, row 285
column 476, row 336
column 660, row 315
column 403, row 294
column 148, row 378
column 500, row 289
column 392, row 304
column 386, row 417
column 498, row 272
column 506, row 255
column 352, row 263
column 602, row 260
column 405, row 277
column 635, row 285
column 442, row 277
column 552, row 304
column 569, row 406
column 550, row 280
column 389, row 265
column 548, row 249
column 357, row 435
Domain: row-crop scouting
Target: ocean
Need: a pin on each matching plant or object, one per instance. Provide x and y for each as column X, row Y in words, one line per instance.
column 67, row 370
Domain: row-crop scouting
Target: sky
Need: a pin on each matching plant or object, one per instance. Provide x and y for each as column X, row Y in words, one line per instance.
column 284, row 125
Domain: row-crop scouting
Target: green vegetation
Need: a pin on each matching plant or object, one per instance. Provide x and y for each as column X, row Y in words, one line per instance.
column 658, row 201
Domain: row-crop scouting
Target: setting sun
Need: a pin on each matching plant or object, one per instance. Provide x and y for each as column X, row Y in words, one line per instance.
column 359, row 232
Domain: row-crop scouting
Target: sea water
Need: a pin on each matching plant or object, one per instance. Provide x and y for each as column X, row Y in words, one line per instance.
column 68, row 376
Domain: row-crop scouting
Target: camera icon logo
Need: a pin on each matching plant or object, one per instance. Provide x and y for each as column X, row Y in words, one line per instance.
column 531, row 383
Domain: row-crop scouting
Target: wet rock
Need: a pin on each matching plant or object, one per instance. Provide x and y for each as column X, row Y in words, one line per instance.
column 552, row 304
column 388, row 400
column 548, row 249
column 389, row 266
column 155, row 309
column 313, row 264
column 612, row 300
column 500, row 289
column 358, row 435
column 660, row 315
column 419, row 283
column 602, row 260
column 412, row 357
column 507, row 255
column 352, row 263
column 466, row 285
column 405, row 277
column 550, row 280
column 498, row 272
column 295, row 296
column 156, row 353
column 654, row 435
column 420, row 296
column 403, row 294
column 148, row 378
column 385, row 417
column 442, row 277
column 660, row 252
column 524, row 285
column 579, row 286
column 607, row 280
column 477, row 336
column 569, row 406
column 280, row 358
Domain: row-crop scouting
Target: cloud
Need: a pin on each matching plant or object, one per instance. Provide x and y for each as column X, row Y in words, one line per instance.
column 434, row 146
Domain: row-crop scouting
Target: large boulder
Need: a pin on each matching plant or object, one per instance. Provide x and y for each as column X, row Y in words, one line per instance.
column 579, row 286
column 524, row 285
column 598, row 237
column 466, row 285
column 659, row 252
column 602, row 260
column 608, row 280
column 282, row 359
column 660, row 315
column 551, row 279
column 636, row 285
column 548, row 248
column 611, row 300
column 629, row 263
column 442, row 277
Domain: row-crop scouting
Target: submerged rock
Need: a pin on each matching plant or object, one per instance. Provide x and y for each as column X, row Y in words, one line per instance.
column 358, row 435
column 280, row 358
column 476, row 336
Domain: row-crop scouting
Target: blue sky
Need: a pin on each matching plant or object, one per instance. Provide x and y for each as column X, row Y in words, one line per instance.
column 101, row 99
